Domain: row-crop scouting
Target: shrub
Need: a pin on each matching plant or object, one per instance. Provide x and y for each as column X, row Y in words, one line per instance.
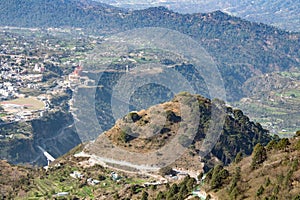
column 166, row 171
column 260, row 191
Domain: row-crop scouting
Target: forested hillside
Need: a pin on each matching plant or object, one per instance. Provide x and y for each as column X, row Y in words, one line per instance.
column 271, row 172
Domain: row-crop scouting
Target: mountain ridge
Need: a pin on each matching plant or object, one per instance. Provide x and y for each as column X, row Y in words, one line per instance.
column 241, row 49
column 283, row 14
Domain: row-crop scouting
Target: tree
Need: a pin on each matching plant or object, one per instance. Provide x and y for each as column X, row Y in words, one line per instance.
column 191, row 183
column 238, row 157
column 234, row 193
column 260, row 191
column 298, row 133
column 283, row 143
column 217, row 176
column 133, row 117
column 200, row 176
column 183, row 190
column 259, row 155
column 116, row 196
column 174, row 189
column 238, row 114
column 166, row 171
column 208, row 197
column 160, row 196
column 124, row 137
column 297, row 197
column 271, row 145
column 144, row 195
column 297, row 145
column 268, row 181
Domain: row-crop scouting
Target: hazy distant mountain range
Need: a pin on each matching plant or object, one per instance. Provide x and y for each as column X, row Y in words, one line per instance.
column 281, row 13
column 241, row 49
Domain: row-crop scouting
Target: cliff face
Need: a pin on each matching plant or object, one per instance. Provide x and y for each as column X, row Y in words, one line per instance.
column 54, row 133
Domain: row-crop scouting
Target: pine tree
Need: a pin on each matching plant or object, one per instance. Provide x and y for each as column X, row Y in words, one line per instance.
column 259, row 155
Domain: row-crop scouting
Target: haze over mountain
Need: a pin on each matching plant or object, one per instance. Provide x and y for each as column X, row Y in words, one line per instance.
column 280, row 13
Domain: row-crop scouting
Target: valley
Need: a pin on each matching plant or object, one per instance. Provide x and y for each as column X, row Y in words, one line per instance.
column 101, row 102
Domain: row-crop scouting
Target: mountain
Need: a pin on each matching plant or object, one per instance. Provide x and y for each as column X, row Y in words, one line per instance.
column 276, row 176
column 163, row 134
column 279, row 13
column 42, row 13
column 240, row 48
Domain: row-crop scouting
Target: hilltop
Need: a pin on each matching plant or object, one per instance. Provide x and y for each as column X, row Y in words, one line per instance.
column 155, row 133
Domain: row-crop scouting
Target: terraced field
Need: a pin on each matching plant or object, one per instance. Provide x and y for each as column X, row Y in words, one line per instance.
column 276, row 109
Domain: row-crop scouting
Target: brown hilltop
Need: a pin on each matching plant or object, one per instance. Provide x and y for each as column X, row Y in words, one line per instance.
column 170, row 132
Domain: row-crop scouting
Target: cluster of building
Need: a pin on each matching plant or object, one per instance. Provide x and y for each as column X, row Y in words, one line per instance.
column 13, row 77
column 80, row 176
column 25, row 61
column 77, row 77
